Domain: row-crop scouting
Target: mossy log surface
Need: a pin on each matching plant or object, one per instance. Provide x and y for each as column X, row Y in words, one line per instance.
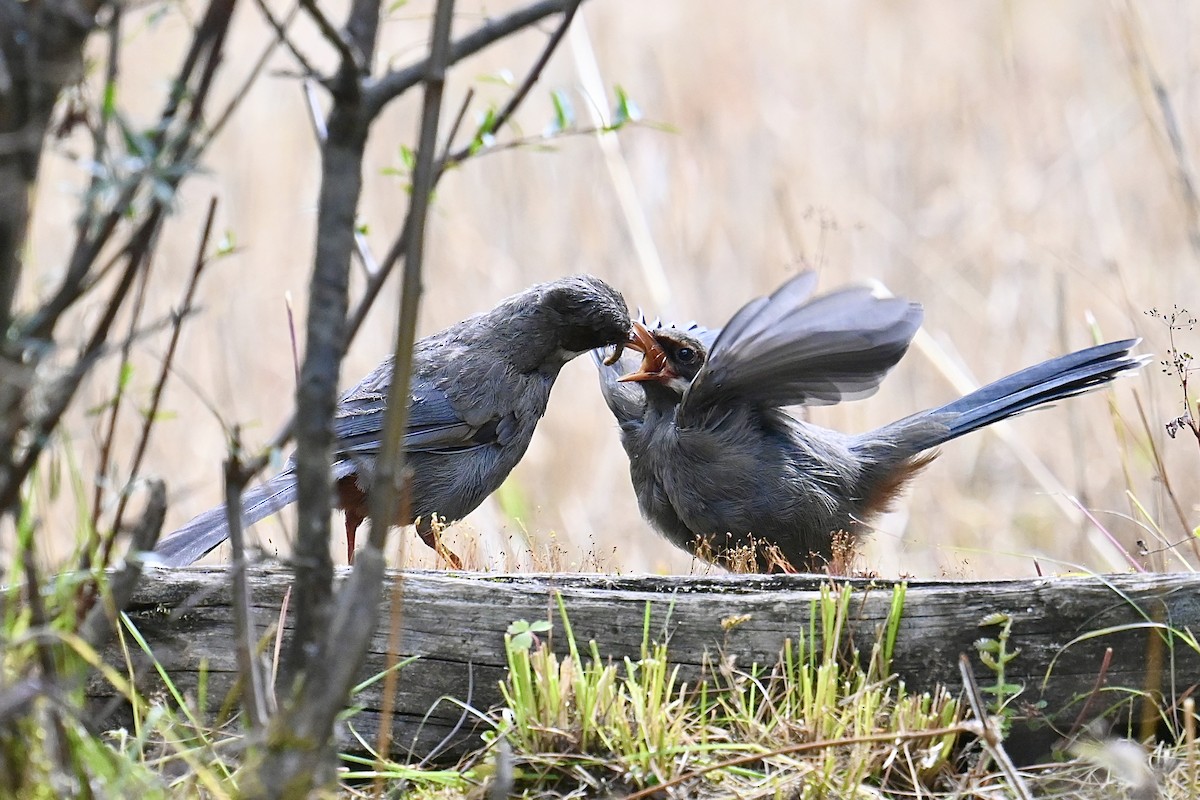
column 454, row 623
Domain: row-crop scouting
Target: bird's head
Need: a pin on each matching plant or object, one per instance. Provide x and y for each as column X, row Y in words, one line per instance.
column 670, row 357
column 583, row 313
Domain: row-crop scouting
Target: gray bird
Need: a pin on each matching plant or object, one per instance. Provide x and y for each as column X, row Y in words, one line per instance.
column 722, row 471
column 478, row 390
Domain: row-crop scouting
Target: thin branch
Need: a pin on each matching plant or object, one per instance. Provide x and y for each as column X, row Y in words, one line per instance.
column 388, row 490
column 246, row 645
column 99, row 151
column 252, row 78
column 361, row 246
column 389, row 467
column 531, row 78
column 397, row 82
column 330, row 669
column 88, row 595
column 112, row 71
column 544, row 140
column 452, row 134
column 116, row 404
column 205, row 54
column 988, row 733
column 201, row 63
column 97, row 625
column 298, row 754
column 316, row 395
column 156, row 395
column 351, row 61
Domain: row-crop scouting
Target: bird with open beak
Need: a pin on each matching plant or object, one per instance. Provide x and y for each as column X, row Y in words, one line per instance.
column 478, row 390
column 719, row 468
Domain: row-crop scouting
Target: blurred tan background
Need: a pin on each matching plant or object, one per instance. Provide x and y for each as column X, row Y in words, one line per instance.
column 1003, row 163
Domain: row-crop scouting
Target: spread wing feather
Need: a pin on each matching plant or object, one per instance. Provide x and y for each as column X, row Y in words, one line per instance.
column 791, row 348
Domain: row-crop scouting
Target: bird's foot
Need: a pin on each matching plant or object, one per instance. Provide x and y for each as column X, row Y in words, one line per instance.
column 431, row 536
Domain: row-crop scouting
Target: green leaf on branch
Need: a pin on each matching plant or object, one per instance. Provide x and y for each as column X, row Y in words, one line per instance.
column 626, row 111
column 564, row 112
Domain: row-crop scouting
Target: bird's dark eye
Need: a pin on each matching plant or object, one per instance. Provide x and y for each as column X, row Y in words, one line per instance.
column 685, row 355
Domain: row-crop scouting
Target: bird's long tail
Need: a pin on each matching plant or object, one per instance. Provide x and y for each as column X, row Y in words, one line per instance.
column 1064, row 376
column 208, row 530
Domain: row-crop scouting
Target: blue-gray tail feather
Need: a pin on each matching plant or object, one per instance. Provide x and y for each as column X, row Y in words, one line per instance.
column 208, row 530
column 1058, row 378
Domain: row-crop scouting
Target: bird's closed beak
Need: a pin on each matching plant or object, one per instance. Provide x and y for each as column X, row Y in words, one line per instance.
column 654, row 365
column 615, row 355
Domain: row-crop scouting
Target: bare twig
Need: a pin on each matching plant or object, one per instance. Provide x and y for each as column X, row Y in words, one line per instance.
column 316, row 396
column 117, row 402
column 298, row 753
column 249, row 666
column 363, row 592
column 251, row 78
column 452, row 134
column 281, row 37
column 356, row 62
column 531, row 78
column 361, row 246
column 195, row 80
column 988, row 732
column 156, row 394
column 389, row 467
column 97, row 625
column 56, row 737
column 151, row 412
column 399, row 81
column 390, row 473
column 112, row 71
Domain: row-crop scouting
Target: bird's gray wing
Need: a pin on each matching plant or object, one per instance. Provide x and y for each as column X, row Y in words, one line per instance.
column 792, row 348
column 434, row 425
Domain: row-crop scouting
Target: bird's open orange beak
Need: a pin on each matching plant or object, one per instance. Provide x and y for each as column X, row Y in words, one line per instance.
column 654, row 365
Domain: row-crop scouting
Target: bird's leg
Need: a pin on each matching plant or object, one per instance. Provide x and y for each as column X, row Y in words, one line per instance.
column 430, row 535
column 353, row 502
column 353, row 520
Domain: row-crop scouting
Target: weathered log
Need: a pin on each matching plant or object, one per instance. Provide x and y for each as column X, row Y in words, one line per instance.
column 455, row 624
